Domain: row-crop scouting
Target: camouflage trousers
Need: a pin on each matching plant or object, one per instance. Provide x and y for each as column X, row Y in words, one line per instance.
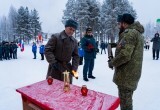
column 125, row 96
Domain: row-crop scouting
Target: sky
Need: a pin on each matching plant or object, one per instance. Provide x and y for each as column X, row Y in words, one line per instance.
column 51, row 11
column 25, row 70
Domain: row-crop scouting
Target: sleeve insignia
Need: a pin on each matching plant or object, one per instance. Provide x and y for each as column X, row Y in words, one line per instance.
column 122, row 44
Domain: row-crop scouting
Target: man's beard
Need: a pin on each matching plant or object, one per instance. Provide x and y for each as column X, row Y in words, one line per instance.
column 121, row 30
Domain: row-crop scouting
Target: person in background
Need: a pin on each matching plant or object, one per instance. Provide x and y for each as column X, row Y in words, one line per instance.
column 156, row 46
column 6, row 51
column 60, row 50
column 41, row 51
column 10, row 50
column 103, row 47
column 80, row 53
column 147, row 43
column 15, row 46
column 97, row 44
column 34, row 50
column 1, row 51
column 89, row 46
column 128, row 59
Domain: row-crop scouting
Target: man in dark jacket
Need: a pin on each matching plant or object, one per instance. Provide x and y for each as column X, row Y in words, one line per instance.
column 60, row 50
column 156, row 46
column 103, row 47
column 89, row 46
column 128, row 59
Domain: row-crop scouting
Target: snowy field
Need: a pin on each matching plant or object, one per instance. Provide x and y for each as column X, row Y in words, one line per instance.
column 25, row 70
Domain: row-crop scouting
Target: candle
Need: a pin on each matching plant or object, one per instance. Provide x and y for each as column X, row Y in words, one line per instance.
column 49, row 80
column 84, row 90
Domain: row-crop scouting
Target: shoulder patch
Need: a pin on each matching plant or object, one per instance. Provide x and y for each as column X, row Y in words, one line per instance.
column 126, row 30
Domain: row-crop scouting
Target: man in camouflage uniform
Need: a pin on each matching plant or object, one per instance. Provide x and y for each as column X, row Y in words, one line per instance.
column 60, row 50
column 128, row 59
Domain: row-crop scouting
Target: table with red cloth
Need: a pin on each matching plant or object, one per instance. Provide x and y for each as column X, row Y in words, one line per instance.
column 41, row 96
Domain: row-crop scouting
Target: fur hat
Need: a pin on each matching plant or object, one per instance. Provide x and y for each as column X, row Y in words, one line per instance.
column 88, row 29
column 71, row 23
column 127, row 18
column 156, row 35
column 119, row 18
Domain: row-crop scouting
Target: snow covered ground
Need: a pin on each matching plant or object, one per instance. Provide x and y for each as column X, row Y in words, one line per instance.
column 25, row 70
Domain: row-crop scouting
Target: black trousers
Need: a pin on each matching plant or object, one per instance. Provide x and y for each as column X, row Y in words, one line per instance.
column 0, row 56
column 42, row 56
column 104, row 51
column 81, row 61
column 147, row 47
column 155, row 53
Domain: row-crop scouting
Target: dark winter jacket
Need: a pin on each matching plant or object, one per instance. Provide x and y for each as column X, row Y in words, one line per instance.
column 89, row 46
column 15, row 47
column 156, row 42
column 103, row 45
column 61, row 48
column 129, row 56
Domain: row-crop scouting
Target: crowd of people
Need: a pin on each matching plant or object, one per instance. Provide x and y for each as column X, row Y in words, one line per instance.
column 8, row 50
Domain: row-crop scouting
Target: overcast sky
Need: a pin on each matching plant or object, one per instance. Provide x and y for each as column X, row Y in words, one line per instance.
column 51, row 11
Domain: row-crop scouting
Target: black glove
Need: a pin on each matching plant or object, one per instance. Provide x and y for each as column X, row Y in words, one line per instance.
column 97, row 50
column 55, row 66
column 110, row 65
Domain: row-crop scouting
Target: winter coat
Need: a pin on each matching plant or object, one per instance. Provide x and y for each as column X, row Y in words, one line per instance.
column 147, row 41
column 34, row 48
column 89, row 46
column 128, row 57
column 103, row 45
column 41, row 49
column 156, row 43
column 15, row 47
column 1, row 49
column 61, row 48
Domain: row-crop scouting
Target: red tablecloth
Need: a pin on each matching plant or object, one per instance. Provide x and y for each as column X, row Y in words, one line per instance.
column 52, row 97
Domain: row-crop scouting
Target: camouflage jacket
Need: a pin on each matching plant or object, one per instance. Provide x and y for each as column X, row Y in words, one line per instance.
column 129, row 56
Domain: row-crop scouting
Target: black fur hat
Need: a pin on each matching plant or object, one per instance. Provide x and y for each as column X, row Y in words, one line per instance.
column 71, row 23
column 88, row 29
column 119, row 18
column 156, row 35
column 127, row 18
